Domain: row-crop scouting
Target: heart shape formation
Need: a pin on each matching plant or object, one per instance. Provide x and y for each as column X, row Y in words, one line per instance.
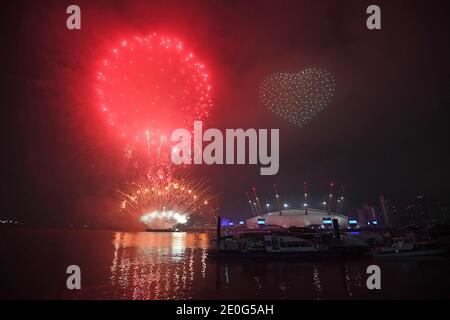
column 298, row 97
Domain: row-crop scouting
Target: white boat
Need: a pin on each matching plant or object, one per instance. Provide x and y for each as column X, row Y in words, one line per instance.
column 268, row 243
column 270, row 246
column 288, row 244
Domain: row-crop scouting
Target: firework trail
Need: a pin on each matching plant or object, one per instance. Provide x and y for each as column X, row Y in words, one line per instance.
column 161, row 202
column 146, row 87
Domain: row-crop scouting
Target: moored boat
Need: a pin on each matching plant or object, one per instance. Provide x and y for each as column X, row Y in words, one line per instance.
column 403, row 248
column 270, row 246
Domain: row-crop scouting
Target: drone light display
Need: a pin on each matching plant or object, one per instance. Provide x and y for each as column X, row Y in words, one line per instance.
column 298, row 97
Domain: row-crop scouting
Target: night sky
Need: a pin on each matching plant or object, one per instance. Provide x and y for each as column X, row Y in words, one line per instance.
column 385, row 132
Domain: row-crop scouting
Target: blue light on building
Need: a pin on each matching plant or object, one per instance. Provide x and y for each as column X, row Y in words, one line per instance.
column 225, row 222
column 262, row 221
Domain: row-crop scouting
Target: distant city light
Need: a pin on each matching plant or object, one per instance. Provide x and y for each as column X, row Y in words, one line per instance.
column 285, row 205
column 9, row 222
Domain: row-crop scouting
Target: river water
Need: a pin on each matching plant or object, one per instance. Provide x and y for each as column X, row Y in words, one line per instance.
column 141, row 265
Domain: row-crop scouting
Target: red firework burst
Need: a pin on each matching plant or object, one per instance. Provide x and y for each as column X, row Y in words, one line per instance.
column 148, row 86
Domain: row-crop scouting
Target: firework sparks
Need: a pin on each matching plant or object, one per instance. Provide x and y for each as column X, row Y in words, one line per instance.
column 298, row 97
column 163, row 202
column 163, row 219
column 147, row 86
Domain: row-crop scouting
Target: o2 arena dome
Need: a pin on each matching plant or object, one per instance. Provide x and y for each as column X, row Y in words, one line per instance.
column 297, row 218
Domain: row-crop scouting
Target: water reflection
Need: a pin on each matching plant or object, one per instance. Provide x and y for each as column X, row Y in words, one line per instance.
column 177, row 266
column 352, row 279
column 291, row 279
column 316, row 281
column 158, row 265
